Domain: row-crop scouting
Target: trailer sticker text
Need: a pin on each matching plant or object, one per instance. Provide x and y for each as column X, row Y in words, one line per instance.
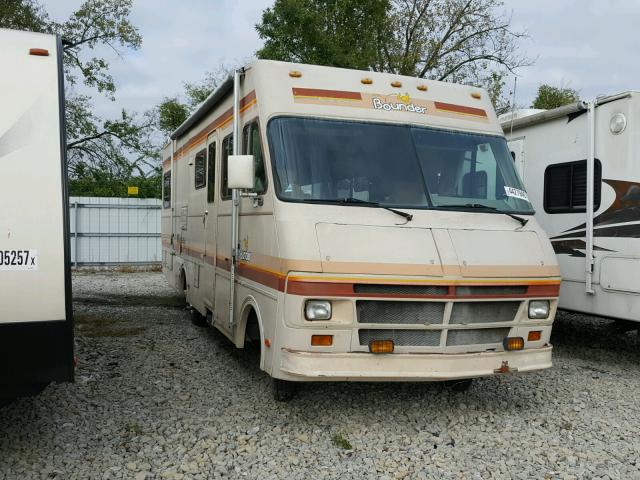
column 516, row 193
column 18, row 259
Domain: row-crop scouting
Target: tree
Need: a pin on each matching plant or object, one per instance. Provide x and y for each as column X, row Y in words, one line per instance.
column 340, row 33
column 463, row 41
column 549, row 97
column 172, row 112
column 93, row 144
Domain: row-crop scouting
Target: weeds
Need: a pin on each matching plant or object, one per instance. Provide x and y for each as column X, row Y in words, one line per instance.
column 341, row 442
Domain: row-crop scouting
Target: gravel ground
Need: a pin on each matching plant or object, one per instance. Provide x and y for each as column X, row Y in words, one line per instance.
column 157, row 397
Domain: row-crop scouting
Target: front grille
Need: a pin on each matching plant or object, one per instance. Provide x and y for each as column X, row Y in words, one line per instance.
column 476, row 337
column 464, row 313
column 492, row 290
column 403, row 313
column 401, row 289
column 402, row 338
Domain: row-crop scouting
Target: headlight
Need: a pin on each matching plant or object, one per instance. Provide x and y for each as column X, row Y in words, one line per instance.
column 539, row 309
column 618, row 123
column 317, row 310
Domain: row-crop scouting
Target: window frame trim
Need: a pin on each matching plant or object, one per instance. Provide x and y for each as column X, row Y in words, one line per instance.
column 554, row 211
column 166, row 204
column 411, row 125
column 195, row 168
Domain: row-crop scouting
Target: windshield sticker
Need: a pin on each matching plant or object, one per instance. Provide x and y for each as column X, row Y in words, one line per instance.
column 516, row 192
column 392, row 102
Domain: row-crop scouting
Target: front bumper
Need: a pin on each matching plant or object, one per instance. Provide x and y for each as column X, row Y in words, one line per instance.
column 313, row 366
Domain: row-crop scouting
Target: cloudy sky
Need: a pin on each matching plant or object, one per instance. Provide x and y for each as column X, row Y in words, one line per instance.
column 588, row 45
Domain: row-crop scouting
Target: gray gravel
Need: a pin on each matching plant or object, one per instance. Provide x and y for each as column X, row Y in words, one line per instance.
column 156, row 397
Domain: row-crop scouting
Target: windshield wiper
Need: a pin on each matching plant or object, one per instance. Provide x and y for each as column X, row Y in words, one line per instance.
column 357, row 201
column 480, row 206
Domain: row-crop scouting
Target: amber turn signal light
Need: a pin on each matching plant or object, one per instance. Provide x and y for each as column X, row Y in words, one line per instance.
column 513, row 343
column 381, row 346
column 534, row 335
column 321, row 340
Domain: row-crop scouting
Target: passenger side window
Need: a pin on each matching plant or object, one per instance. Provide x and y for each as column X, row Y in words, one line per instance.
column 227, row 149
column 200, row 169
column 166, row 190
column 211, row 170
column 251, row 145
column 565, row 187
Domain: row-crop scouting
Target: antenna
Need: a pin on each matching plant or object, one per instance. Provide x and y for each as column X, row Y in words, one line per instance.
column 513, row 103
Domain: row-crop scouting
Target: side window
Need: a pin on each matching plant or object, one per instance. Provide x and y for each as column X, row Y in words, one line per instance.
column 200, row 170
column 211, row 170
column 565, row 187
column 251, row 145
column 227, row 149
column 166, row 190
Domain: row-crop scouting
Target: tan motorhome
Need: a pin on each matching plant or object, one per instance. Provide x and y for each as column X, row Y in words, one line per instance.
column 357, row 226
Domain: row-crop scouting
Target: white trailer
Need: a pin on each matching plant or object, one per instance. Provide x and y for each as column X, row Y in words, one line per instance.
column 36, row 331
column 357, row 226
column 580, row 165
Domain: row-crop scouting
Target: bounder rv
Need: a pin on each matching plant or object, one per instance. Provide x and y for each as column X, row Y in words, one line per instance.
column 36, row 331
column 580, row 165
column 357, row 226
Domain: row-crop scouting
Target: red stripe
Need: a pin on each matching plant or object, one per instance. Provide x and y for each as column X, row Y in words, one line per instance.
column 320, row 93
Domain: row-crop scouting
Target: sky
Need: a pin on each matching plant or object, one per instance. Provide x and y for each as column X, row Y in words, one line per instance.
column 587, row 45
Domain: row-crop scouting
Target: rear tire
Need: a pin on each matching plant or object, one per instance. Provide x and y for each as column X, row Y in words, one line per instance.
column 283, row 390
column 461, row 385
column 197, row 318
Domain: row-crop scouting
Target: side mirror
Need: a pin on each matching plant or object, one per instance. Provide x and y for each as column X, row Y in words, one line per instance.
column 240, row 171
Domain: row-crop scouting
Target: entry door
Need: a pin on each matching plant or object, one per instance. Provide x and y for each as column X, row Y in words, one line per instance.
column 210, row 217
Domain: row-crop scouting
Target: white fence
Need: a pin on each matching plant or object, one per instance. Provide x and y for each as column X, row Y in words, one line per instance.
column 114, row 231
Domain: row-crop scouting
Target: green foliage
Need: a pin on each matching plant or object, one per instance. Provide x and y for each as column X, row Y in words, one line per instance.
column 197, row 92
column 495, row 86
column 97, row 183
column 553, row 97
column 340, row 33
column 23, row 15
column 171, row 114
column 341, row 442
column 97, row 23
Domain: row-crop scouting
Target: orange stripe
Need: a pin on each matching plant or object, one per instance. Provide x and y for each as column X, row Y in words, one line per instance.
column 450, row 107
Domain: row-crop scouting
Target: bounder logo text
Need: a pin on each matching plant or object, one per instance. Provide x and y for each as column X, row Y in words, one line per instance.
column 378, row 104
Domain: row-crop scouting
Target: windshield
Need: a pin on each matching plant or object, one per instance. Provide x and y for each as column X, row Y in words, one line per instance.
column 393, row 165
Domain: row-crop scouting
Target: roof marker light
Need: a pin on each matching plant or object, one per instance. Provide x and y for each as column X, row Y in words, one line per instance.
column 423, row 87
column 39, row 52
column 295, row 73
column 366, row 81
column 476, row 95
column 396, row 84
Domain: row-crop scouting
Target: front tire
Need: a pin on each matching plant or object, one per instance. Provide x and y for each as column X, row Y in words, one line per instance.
column 283, row 390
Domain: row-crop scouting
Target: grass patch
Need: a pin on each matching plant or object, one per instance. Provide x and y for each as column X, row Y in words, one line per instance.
column 96, row 326
column 134, row 427
column 341, row 442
